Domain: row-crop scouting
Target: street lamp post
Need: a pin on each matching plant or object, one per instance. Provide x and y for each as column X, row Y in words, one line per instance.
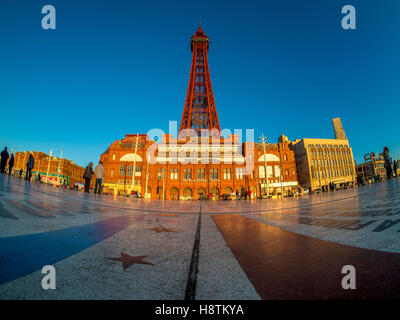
column 147, row 175
column 163, row 188
column 327, row 158
column 280, row 165
column 264, row 140
column 134, row 162
column 59, row 167
column 38, row 170
column 319, row 173
column 48, row 166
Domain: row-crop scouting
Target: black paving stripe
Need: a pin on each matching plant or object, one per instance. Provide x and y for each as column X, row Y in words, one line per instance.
column 190, row 293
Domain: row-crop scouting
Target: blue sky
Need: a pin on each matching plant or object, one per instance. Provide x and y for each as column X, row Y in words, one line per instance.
column 117, row 67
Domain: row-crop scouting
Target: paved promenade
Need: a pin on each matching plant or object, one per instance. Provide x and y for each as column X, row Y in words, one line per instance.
column 115, row 248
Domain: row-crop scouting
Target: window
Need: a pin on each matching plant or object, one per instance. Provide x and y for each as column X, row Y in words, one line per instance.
column 261, row 171
column 121, row 170
column 200, row 174
column 129, row 170
column 239, row 173
column 113, row 156
column 174, row 174
column 227, row 174
column 160, row 173
column 269, row 171
column 112, row 173
column 285, row 157
column 187, row 174
column 214, row 174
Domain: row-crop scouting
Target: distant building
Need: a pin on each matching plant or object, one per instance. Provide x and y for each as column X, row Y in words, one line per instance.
column 61, row 171
column 339, row 131
column 373, row 168
column 324, row 162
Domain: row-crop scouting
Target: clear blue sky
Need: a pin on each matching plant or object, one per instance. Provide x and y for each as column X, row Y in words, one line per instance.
column 117, row 67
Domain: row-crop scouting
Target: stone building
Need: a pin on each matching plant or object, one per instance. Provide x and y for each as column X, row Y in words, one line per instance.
column 324, row 162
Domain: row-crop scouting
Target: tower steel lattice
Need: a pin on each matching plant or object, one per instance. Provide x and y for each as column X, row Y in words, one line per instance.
column 199, row 111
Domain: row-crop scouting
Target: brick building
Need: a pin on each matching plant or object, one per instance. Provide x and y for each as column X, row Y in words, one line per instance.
column 190, row 169
column 61, row 171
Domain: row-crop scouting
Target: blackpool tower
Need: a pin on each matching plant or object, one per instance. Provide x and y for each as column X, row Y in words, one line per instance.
column 199, row 111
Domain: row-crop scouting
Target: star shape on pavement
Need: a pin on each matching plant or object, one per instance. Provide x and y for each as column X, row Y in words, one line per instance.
column 128, row 260
column 161, row 229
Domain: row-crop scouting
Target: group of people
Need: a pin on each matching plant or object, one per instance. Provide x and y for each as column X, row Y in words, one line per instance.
column 6, row 156
column 98, row 172
column 3, row 163
column 243, row 194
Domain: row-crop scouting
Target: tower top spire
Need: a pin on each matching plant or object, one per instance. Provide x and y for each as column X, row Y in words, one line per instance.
column 199, row 36
column 199, row 32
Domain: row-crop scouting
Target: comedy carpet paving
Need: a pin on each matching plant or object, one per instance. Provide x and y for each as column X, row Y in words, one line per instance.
column 104, row 247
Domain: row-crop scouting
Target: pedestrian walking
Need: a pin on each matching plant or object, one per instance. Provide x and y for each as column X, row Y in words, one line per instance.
column 30, row 164
column 88, row 176
column 10, row 164
column 99, row 173
column 242, row 193
column 249, row 194
column 4, row 157
column 20, row 172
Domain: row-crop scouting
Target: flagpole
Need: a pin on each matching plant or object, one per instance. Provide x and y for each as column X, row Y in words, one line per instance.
column 48, row 166
column 147, row 176
column 58, row 169
column 134, row 162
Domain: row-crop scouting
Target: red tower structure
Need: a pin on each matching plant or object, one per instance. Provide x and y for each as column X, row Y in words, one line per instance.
column 199, row 111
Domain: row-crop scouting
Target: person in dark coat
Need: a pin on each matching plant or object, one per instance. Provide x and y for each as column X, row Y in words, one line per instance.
column 4, row 157
column 88, row 176
column 242, row 193
column 10, row 164
column 30, row 164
